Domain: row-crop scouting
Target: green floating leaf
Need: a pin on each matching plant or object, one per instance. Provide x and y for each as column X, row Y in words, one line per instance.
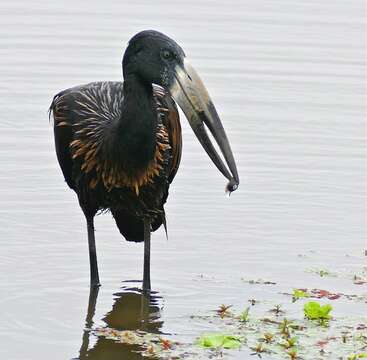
column 314, row 311
column 219, row 341
column 298, row 294
column 357, row 356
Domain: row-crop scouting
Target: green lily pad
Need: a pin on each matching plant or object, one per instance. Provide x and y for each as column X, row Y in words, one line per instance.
column 219, row 341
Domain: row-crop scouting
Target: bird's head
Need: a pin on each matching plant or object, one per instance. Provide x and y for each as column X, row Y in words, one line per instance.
column 156, row 59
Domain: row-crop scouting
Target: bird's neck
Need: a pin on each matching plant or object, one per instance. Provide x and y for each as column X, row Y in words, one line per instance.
column 137, row 127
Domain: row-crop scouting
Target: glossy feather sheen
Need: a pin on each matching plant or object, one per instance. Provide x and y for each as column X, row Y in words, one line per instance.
column 84, row 118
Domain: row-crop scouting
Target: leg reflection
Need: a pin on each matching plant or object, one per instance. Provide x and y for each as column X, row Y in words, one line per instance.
column 132, row 310
column 93, row 294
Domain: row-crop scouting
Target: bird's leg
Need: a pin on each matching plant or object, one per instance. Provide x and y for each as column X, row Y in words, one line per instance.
column 146, row 276
column 94, row 277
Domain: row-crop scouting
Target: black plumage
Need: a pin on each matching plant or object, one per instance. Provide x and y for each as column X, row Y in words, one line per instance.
column 119, row 143
column 128, row 175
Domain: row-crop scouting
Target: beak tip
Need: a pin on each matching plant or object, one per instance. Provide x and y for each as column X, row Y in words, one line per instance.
column 232, row 186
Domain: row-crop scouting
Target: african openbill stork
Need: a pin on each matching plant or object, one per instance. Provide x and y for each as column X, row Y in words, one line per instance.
column 119, row 143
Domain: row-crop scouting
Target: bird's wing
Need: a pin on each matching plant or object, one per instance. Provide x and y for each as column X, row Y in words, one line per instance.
column 86, row 107
column 63, row 132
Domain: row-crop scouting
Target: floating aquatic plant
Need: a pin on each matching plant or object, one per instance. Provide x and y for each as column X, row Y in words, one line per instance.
column 357, row 356
column 268, row 337
column 223, row 311
column 259, row 349
column 322, row 272
column 293, row 354
column 215, row 341
column 299, row 294
column 244, row 316
column 264, row 329
column 314, row 311
column 284, row 327
column 277, row 310
column 289, row 342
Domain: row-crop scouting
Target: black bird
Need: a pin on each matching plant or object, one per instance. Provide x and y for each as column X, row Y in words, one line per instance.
column 119, row 143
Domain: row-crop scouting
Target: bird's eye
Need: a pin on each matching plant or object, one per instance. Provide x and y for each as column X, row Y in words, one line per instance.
column 167, row 55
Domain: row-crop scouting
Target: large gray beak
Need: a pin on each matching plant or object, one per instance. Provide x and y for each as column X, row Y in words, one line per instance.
column 191, row 95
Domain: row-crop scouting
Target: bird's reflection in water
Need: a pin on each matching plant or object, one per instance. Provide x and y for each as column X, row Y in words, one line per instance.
column 132, row 310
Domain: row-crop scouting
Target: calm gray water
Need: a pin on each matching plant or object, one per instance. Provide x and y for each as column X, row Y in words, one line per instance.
column 289, row 80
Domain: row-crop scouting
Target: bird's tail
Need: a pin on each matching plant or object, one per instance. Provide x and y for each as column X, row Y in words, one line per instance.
column 132, row 227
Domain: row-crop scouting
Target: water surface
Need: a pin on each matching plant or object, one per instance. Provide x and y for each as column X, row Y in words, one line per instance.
column 289, row 80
